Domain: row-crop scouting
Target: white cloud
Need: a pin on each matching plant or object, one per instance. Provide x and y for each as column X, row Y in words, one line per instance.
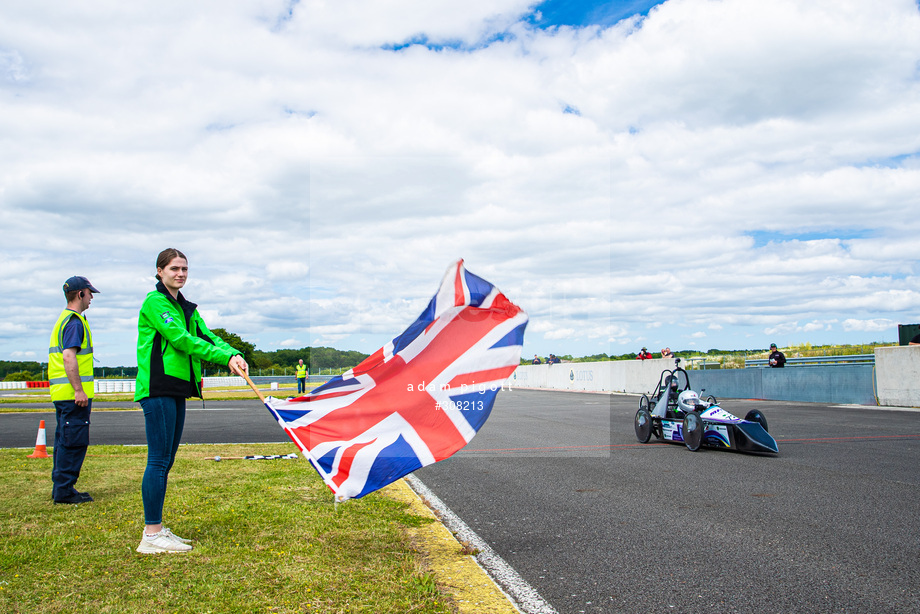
column 742, row 167
column 874, row 325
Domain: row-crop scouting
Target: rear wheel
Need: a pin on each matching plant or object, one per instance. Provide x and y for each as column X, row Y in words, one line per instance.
column 693, row 431
column 643, row 425
column 755, row 416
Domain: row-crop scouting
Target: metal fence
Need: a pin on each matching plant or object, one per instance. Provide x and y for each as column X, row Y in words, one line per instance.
column 811, row 361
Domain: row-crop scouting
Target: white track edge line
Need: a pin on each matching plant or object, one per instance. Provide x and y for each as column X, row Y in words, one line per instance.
column 522, row 594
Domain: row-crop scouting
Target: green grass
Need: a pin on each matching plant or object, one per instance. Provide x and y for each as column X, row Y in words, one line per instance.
column 267, row 539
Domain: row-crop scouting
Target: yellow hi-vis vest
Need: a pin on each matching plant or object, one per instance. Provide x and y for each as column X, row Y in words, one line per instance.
column 301, row 370
column 61, row 390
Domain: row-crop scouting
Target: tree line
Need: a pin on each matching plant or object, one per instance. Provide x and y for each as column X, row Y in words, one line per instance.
column 316, row 358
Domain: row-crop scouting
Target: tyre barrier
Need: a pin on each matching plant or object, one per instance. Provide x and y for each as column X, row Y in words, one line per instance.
column 228, row 381
column 113, row 385
column 13, row 385
column 38, row 384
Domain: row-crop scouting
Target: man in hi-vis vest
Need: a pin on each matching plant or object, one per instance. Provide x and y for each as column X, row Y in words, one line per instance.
column 301, row 373
column 70, row 372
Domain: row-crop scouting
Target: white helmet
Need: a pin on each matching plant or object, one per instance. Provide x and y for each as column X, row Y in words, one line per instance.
column 688, row 400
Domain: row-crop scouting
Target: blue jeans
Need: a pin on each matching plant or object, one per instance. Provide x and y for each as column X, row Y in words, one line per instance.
column 164, row 418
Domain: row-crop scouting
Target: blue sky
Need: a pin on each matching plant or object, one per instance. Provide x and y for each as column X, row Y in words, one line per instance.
column 718, row 175
column 579, row 14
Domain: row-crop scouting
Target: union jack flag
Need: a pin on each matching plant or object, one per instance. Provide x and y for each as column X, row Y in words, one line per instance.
column 415, row 401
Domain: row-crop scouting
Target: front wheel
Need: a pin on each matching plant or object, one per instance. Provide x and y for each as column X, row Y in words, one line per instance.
column 644, row 403
column 712, row 400
column 693, row 431
column 643, row 425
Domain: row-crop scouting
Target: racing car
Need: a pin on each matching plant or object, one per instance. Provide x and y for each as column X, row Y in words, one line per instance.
column 677, row 414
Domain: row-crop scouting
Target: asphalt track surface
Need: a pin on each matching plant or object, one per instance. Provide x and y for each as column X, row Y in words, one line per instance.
column 558, row 486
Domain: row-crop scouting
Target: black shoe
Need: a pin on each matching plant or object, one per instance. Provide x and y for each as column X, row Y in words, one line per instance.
column 75, row 498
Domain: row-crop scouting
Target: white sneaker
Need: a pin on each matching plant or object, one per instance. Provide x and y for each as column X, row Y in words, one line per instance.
column 161, row 542
column 175, row 537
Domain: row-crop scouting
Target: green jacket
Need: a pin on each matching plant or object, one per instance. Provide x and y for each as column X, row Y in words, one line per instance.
column 172, row 340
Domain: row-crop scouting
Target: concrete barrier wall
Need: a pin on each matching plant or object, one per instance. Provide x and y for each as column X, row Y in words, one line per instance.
column 728, row 383
column 844, row 384
column 897, row 375
column 608, row 376
column 894, row 381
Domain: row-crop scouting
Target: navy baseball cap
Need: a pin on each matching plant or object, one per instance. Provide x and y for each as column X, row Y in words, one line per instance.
column 78, row 283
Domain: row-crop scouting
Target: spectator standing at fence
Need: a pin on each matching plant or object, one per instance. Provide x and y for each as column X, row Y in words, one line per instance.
column 777, row 359
column 536, row 360
column 70, row 375
column 301, row 370
column 666, row 353
column 172, row 340
column 644, row 354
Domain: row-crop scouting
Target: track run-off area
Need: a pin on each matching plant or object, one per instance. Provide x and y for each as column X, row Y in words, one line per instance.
column 558, row 487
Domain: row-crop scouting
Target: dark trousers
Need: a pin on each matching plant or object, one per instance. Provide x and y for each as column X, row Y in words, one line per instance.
column 71, row 438
column 301, row 385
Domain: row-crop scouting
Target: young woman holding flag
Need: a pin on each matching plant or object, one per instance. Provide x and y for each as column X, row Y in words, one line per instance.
column 172, row 340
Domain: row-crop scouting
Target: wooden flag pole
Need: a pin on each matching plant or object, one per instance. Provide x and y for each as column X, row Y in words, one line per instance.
column 253, row 386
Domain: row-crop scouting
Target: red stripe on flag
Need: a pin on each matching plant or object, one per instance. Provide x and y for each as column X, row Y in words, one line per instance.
column 348, row 457
column 459, row 298
column 489, row 375
column 369, row 363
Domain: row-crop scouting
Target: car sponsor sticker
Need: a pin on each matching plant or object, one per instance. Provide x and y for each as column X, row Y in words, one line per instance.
column 167, row 317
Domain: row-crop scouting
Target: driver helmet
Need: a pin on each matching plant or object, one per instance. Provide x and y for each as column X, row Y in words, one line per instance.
column 688, row 400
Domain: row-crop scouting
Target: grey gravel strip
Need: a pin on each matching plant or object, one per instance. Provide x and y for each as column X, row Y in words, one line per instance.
column 523, row 595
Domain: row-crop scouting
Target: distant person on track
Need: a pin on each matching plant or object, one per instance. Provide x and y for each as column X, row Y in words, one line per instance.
column 172, row 340
column 301, row 372
column 70, row 373
column 777, row 359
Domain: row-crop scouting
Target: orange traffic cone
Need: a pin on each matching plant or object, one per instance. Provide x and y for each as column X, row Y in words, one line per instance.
column 40, row 443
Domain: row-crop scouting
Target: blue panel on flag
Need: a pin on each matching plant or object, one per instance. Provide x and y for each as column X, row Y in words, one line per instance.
column 416, row 329
column 476, row 406
column 290, row 415
column 393, row 462
column 327, row 460
column 515, row 337
column 479, row 288
column 336, row 382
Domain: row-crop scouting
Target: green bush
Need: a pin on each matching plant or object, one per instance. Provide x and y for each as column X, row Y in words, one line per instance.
column 21, row 376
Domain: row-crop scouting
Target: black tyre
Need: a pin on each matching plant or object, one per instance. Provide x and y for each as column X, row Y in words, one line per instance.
column 693, row 431
column 645, row 404
column 643, row 425
column 712, row 400
column 755, row 416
